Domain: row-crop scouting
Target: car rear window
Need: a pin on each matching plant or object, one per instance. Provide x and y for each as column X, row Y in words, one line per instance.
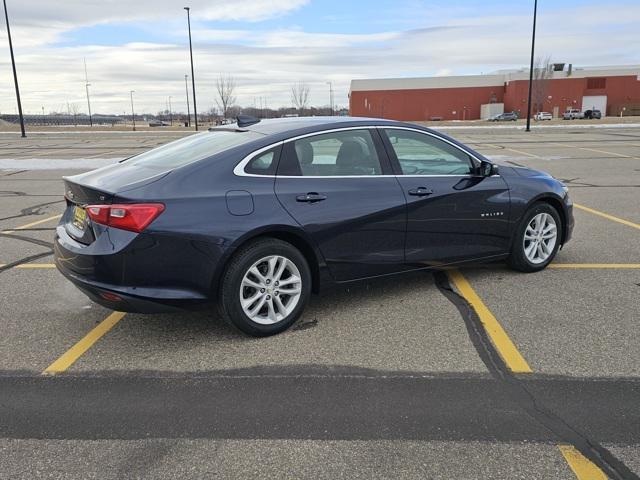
column 193, row 148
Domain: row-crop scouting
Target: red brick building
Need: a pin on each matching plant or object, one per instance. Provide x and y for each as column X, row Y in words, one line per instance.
column 611, row 89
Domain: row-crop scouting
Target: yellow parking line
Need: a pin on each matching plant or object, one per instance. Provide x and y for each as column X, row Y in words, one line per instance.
column 581, row 466
column 607, row 216
column 505, row 347
column 32, row 265
column 596, row 265
column 502, row 147
column 624, row 266
column 75, row 352
column 33, row 224
column 621, row 155
column 522, row 153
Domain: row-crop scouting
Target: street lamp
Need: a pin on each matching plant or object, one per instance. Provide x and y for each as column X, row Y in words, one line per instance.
column 133, row 113
column 186, row 89
column 331, row 96
column 533, row 45
column 87, row 85
column 15, row 75
column 170, row 114
column 193, row 79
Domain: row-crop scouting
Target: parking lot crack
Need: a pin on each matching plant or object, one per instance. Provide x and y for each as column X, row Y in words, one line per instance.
column 36, row 241
column 28, row 259
column 516, row 390
column 32, row 210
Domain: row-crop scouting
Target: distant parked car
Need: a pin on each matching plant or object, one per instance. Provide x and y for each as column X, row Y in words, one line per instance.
column 504, row 117
column 572, row 114
column 542, row 116
column 597, row 114
column 158, row 123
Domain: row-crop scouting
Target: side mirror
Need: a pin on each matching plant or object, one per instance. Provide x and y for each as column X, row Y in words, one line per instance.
column 488, row 169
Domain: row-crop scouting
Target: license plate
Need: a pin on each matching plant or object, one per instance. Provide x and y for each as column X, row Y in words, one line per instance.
column 79, row 217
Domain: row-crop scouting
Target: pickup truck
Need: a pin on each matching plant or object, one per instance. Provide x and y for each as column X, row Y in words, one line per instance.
column 572, row 114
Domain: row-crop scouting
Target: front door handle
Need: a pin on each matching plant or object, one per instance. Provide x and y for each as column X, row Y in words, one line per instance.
column 420, row 192
column 311, row 197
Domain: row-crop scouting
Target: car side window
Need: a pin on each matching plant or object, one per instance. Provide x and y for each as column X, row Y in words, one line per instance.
column 343, row 153
column 264, row 163
column 422, row 154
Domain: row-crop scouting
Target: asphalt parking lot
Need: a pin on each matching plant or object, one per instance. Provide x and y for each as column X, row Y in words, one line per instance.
column 479, row 373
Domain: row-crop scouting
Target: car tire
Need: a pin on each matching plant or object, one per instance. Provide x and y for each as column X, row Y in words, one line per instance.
column 525, row 254
column 258, row 272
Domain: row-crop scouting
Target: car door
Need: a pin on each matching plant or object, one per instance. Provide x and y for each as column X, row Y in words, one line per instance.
column 453, row 213
column 338, row 185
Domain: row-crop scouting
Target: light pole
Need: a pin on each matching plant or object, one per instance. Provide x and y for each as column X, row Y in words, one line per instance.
column 133, row 113
column 331, row 96
column 170, row 113
column 86, row 85
column 15, row 75
column 193, row 79
column 43, row 115
column 186, row 89
column 533, row 47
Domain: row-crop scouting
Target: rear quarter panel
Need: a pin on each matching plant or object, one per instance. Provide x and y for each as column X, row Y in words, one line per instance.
column 197, row 232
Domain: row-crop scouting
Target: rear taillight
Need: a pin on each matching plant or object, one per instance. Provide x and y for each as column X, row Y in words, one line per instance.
column 134, row 217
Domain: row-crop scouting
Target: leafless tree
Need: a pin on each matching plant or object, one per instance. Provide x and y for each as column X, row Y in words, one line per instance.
column 542, row 72
column 300, row 95
column 226, row 86
column 74, row 109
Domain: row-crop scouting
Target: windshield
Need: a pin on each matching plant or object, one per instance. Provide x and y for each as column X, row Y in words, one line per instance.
column 193, row 148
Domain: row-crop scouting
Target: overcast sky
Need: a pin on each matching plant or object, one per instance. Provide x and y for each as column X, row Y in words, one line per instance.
column 267, row 45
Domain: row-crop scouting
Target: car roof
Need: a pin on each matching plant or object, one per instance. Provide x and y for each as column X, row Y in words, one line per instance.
column 274, row 126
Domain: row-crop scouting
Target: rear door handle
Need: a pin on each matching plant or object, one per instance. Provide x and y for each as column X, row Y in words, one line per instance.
column 311, row 197
column 420, row 192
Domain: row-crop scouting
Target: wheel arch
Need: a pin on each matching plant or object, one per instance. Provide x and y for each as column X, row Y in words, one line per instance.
column 296, row 237
column 557, row 204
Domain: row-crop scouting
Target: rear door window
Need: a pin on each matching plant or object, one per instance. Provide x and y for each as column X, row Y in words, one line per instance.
column 336, row 154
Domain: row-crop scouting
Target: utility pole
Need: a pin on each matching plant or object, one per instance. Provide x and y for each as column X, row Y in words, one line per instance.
column 193, row 79
column 170, row 113
column 43, row 115
column 15, row 75
column 533, row 46
column 186, row 89
column 133, row 113
column 331, row 96
column 86, row 85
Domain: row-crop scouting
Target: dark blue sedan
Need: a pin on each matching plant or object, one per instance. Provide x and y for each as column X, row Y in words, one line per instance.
column 256, row 215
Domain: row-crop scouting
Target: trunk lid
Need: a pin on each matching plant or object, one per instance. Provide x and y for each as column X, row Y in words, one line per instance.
column 99, row 187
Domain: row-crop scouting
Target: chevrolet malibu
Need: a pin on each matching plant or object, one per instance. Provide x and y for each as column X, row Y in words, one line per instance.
column 257, row 215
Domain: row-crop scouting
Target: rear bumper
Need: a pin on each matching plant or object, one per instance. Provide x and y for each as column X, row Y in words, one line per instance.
column 94, row 274
column 135, row 299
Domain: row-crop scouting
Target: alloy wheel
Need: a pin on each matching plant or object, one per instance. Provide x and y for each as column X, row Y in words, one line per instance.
column 270, row 290
column 540, row 238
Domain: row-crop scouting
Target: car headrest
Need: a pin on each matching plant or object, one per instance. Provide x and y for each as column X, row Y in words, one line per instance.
column 351, row 153
column 304, row 151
